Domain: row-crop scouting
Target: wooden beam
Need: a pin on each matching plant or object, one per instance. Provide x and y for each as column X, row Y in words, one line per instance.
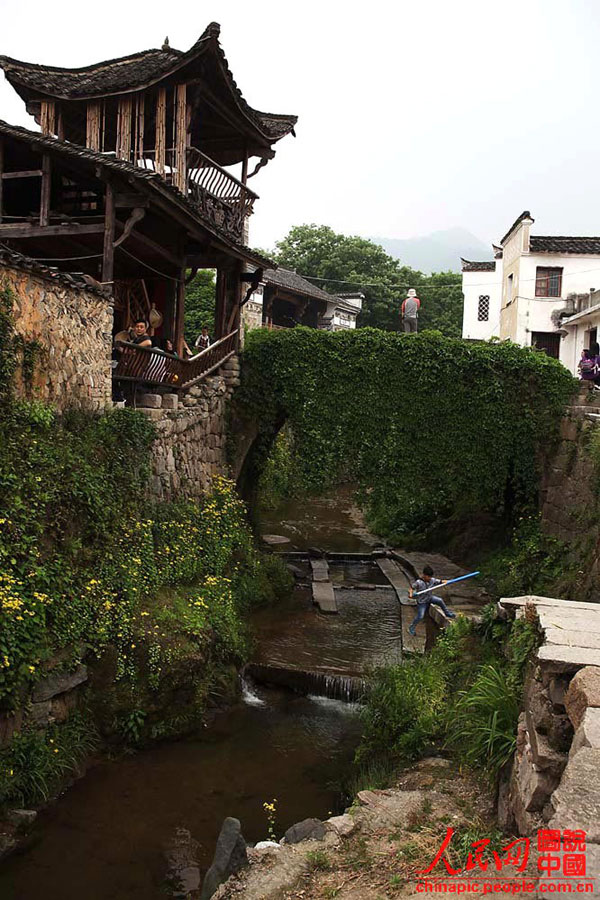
column 140, row 125
column 123, row 148
column 137, row 215
column 27, row 230
column 180, row 314
column 60, row 127
column 159, row 249
column 181, row 138
column 46, row 190
column 92, row 130
column 48, row 117
column 25, row 173
column 108, row 257
column 161, row 131
column 130, row 201
column 1, row 170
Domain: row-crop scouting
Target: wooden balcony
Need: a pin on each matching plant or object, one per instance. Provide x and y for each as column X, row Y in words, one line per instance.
column 219, row 196
column 152, row 367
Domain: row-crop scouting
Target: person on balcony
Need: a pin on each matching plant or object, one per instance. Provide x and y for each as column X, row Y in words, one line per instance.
column 140, row 334
column 410, row 312
column 203, row 340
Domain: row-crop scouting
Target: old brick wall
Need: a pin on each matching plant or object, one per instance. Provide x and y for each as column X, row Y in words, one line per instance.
column 72, row 324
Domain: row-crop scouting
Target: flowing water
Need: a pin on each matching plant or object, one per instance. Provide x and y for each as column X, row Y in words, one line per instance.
column 103, row 839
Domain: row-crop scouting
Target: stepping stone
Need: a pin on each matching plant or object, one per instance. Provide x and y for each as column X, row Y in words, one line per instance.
column 397, row 579
column 320, row 569
column 324, row 596
column 275, row 539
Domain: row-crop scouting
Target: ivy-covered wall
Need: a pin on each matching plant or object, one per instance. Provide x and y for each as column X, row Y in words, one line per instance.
column 431, row 428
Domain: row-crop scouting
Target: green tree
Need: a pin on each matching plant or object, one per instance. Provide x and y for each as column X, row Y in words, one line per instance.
column 200, row 305
column 342, row 263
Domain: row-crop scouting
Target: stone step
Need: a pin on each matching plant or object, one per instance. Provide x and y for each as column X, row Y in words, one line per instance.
column 320, row 569
column 516, row 602
column 557, row 658
column 324, row 596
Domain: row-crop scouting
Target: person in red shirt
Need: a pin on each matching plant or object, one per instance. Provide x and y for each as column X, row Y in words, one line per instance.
column 410, row 311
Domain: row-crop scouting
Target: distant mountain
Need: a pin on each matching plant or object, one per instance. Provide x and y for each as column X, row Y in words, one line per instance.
column 436, row 252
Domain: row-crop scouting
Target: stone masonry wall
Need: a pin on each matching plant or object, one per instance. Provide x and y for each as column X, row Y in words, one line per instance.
column 191, row 443
column 72, row 326
column 569, row 495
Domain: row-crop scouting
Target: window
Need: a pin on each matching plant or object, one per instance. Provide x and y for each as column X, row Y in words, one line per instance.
column 509, row 289
column 548, row 282
column 483, row 309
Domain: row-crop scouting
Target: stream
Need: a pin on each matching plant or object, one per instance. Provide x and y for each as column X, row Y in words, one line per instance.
column 104, row 838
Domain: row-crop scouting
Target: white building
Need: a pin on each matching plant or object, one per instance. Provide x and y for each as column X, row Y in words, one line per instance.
column 342, row 312
column 482, row 290
column 540, row 292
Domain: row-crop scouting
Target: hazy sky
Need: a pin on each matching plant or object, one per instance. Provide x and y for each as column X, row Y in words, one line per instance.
column 413, row 116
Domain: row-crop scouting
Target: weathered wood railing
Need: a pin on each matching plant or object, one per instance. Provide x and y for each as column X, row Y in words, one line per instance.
column 147, row 365
column 219, row 195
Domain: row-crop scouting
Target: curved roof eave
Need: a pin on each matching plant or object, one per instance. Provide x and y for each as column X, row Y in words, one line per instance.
column 16, row 70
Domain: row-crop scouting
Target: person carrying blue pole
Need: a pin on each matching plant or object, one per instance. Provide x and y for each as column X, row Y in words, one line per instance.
column 425, row 583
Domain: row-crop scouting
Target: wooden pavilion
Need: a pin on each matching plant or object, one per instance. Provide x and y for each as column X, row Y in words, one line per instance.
column 127, row 181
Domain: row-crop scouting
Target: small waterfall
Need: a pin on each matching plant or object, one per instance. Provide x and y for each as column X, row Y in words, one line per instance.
column 249, row 695
column 320, row 684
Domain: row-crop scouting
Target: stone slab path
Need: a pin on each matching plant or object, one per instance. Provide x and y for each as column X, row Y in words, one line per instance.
column 324, row 596
column 320, row 569
column 571, row 630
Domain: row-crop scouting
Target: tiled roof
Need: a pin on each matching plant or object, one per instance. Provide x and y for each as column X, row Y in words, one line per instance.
column 144, row 177
column 129, row 73
column 485, row 266
column 524, row 215
column 12, row 259
column 296, row 284
column 562, row 244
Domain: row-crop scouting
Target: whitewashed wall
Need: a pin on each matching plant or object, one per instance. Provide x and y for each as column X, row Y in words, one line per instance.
column 475, row 285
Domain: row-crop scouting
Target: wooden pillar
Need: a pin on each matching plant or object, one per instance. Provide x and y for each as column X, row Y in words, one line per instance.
column 140, row 125
column 48, row 117
column 181, row 138
column 60, row 125
column 108, row 258
column 244, row 178
column 161, row 130
column 92, row 129
column 221, row 303
column 1, row 171
column 180, row 314
column 46, row 190
column 123, row 147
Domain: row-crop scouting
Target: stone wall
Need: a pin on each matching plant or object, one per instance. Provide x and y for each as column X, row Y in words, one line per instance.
column 552, row 781
column 569, row 495
column 71, row 325
column 191, row 443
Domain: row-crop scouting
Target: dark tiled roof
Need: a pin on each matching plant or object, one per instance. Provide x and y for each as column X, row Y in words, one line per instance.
column 524, row 215
column 485, row 266
column 128, row 73
column 12, row 259
column 145, row 177
column 296, row 284
column 563, row 244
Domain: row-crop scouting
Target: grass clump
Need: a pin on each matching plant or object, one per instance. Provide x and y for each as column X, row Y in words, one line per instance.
column 464, row 695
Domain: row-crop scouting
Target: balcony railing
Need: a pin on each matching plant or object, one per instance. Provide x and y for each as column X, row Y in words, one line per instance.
column 219, row 196
column 147, row 365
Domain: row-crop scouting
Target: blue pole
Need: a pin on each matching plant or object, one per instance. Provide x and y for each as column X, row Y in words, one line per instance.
column 452, row 581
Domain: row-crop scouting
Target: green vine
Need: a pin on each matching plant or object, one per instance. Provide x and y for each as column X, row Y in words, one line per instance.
column 429, row 427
